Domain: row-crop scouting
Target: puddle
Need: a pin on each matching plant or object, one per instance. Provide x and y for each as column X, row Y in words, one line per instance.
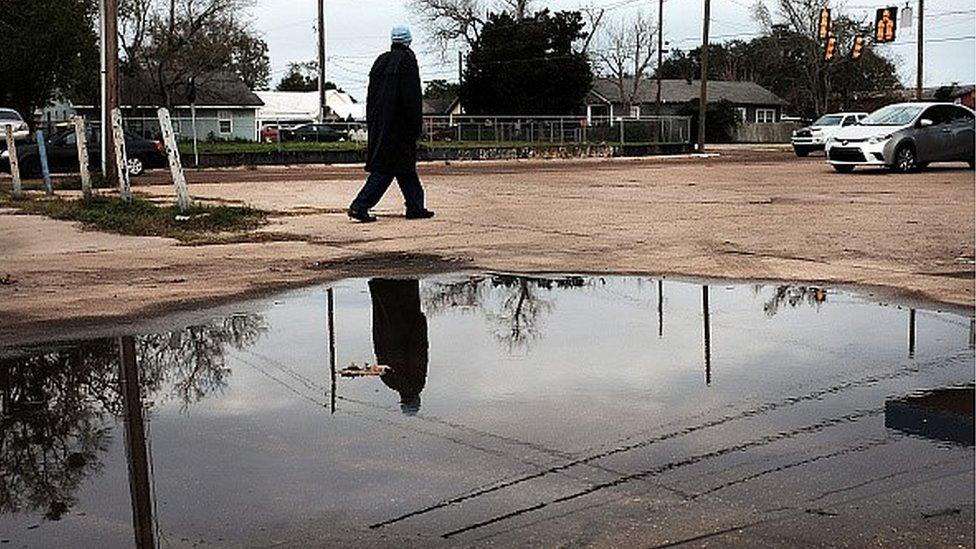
column 515, row 409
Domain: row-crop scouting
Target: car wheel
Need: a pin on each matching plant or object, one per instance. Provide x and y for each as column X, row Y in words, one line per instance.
column 801, row 152
column 843, row 168
column 136, row 166
column 905, row 159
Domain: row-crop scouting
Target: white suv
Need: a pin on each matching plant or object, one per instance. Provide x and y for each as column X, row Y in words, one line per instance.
column 815, row 136
column 10, row 117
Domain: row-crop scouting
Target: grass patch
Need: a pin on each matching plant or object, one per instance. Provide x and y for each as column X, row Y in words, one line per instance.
column 141, row 217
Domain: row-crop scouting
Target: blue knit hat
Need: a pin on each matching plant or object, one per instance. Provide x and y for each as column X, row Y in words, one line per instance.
column 401, row 35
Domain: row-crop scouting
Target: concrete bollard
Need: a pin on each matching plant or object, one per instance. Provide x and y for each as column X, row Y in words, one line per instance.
column 175, row 166
column 82, row 142
column 121, row 159
column 14, row 164
column 45, row 168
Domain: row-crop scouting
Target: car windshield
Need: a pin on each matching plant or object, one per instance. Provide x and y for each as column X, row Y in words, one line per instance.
column 829, row 120
column 893, row 115
column 10, row 115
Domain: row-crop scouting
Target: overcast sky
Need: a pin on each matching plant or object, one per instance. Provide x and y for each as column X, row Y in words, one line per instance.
column 358, row 30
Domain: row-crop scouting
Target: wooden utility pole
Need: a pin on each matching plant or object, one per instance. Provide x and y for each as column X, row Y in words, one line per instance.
column 919, row 79
column 111, row 58
column 660, row 49
column 140, row 489
column 703, row 100
column 322, row 103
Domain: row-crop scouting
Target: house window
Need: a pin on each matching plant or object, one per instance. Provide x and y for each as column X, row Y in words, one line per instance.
column 225, row 122
column 765, row 116
column 635, row 111
column 743, row 114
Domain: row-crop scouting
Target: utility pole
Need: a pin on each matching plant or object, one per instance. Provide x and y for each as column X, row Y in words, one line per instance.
column 660, row 50
column 703, row 100
column 110, row 57
column 921, row 50
column 322, row 103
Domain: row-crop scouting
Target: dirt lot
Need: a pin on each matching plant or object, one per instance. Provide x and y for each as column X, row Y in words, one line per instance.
column 747, row 214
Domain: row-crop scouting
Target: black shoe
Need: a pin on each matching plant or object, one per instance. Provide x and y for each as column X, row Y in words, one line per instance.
column 420, row 214
column 362, row 217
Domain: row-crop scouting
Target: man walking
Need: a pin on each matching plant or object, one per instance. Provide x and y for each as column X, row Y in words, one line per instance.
column 394, row 115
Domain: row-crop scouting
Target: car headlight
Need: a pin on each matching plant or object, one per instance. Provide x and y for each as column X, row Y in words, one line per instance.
column 879, row 139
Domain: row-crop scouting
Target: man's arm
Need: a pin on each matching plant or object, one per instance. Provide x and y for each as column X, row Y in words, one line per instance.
column 412, row 96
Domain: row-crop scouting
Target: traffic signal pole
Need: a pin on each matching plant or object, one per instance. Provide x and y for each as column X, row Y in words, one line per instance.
column 919, row 79
column 703, row 100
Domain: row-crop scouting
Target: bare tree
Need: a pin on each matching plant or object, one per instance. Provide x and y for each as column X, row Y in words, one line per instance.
column 802, row 17
column 626, row 55
column 454, row 22
column 175, row 40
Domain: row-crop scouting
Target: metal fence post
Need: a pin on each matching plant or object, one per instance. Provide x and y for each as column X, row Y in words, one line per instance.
column 42, row 154
column 82, row 143
column 14, row 163
column 175, row 166
column 121, row 159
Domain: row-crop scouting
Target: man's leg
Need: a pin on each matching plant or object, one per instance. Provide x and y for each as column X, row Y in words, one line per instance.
column 376, row 185
column 413, row 192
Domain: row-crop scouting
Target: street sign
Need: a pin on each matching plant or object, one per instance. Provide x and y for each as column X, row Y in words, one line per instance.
column 885, row 24
column 823, row 29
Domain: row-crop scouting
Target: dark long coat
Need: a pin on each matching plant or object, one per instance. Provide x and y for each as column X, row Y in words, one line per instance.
column 394, row 112
column 400, row 335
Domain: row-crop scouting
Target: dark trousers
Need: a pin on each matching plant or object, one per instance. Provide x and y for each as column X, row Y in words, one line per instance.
column 376, row 185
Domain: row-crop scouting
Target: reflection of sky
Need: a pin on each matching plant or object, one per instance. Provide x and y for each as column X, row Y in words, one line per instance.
column 266, row 452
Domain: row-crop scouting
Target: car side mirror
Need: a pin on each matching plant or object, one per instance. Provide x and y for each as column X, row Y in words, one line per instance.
column 925, row 122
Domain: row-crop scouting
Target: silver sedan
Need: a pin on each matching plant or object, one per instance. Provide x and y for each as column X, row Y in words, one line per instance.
column 906, row 137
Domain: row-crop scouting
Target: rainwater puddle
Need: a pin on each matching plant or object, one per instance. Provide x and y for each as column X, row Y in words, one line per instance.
column 518, row 410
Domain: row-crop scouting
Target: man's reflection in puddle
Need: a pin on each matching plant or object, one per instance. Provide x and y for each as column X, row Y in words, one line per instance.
column 400, row 338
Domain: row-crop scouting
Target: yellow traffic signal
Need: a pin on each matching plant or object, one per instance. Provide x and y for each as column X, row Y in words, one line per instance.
column 823, row 30
column 829, row 48
column 858, row 48
column 885, row 24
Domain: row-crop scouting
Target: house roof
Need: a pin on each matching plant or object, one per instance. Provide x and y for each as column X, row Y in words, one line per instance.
column 305, row 105
column 217, row 89
column 682, row 91
column 439, row 105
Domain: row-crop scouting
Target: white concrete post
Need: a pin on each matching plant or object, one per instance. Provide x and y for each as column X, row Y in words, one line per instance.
column 175, row 166
column 14, row 165
column 82, row 142
column 121, row 159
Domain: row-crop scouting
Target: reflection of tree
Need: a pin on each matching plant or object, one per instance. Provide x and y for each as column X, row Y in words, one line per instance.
column 56, row 406
column 794, row 296
column 191, row 361
column 514, row 306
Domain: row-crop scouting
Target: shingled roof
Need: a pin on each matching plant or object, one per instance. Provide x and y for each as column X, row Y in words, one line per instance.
column 217, row 89
column 682, row 91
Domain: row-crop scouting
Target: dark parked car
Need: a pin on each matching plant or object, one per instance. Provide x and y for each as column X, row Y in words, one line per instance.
column 62, row 153
column 314, row 132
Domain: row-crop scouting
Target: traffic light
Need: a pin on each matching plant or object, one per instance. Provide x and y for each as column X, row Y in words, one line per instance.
column 885, row 24
column 857, row 48
column 829, row 48
column 823, row 29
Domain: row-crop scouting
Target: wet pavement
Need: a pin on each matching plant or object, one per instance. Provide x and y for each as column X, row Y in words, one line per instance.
column 519, row 411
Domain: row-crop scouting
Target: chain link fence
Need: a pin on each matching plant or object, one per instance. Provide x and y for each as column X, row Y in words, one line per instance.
column 558, row 129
